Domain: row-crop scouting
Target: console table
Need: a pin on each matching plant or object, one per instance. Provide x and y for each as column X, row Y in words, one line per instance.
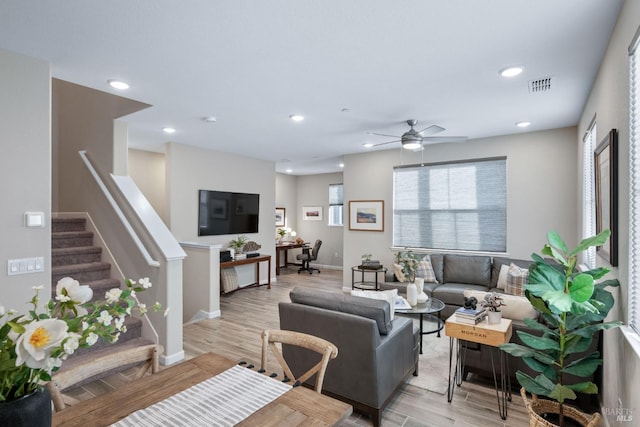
column 253, row 260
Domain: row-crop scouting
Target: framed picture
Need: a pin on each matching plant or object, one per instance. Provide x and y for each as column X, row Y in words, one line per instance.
column 312, row 213
column 606, row 173
column 366, row 215
column 280, row 217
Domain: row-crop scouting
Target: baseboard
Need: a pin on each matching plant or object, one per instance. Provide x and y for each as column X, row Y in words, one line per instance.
column 202, row 315
column 327, row 267
column 171, row 359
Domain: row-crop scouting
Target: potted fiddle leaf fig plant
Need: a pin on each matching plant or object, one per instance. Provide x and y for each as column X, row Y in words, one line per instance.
column 573, row 307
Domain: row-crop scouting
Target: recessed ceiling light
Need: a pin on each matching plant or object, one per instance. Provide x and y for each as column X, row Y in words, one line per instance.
column 168, row 130
column 523, row 124
column 341, row 165
column 367, row 145
column 296, row 117
column 511, row 71
column 209, row 119
column 289, row 170
column 117, row 84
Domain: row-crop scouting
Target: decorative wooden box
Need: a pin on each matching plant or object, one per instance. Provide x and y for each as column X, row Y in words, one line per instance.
column 482, row 333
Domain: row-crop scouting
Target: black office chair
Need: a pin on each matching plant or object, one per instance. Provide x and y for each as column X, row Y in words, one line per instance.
column 309, row 255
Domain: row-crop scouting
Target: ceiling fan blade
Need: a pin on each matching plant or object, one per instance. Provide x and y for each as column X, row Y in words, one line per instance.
column 385, row 143
column 437, row 139
column 382, row 134
column 431, row 130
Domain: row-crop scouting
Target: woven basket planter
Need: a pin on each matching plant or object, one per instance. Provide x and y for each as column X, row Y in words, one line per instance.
column 537, row 407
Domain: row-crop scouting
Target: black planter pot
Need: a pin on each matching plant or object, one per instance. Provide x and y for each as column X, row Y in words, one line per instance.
column 32, row 410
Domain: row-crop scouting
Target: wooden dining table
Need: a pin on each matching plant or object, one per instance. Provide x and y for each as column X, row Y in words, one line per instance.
column 298, row 406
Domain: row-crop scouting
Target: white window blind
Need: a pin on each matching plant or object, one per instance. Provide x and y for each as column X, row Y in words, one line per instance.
column 634, row 186
column 452, row 205
column 588, row 194
column 336, row 204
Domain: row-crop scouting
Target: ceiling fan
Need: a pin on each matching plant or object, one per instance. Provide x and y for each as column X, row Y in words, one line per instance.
column 413, row 139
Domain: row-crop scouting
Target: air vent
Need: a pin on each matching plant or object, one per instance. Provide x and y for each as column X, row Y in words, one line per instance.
column 540, row 85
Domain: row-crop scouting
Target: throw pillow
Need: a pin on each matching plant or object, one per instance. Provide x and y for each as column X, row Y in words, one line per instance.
column 389, row 295
column 515, row 308
column 397, row 270
column 517, row 277
column 502, row 277
column 425, row 270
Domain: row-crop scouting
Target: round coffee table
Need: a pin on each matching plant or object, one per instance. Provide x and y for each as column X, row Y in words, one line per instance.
column 431, row 309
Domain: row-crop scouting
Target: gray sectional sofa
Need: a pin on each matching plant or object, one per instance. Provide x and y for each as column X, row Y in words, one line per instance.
column 455, row 273
column 375, row 354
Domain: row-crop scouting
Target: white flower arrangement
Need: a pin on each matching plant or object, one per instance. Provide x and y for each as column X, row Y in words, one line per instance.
column 35, row 344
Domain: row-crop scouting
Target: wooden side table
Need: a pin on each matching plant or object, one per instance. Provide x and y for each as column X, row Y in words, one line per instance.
column 482, row 333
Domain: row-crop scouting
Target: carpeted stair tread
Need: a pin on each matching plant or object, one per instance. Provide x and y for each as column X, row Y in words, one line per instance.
column 75, row 255
column 83, row 273
column 89, row 356
column 68, row 224
column 89, row 266
column 134, row 332
column 67, row 239
column 99, row 287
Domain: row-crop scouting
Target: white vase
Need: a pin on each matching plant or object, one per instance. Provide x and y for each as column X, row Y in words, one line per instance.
column 494, row 317
column 412, row 294
column 422, row 296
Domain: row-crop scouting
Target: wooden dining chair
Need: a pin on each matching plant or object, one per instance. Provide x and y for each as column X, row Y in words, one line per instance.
column 327, row 350
column 77, row 375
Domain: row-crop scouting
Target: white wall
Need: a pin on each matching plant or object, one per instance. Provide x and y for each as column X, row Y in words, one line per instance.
column 190, row 169
column 148, row 171
column 541, row 189
column 25, row 172
column 313, row 190
column 609, row 102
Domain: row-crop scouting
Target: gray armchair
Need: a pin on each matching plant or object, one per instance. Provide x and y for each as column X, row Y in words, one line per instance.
column 375, row 355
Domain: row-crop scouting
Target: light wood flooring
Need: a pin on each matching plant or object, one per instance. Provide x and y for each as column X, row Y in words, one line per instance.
column 248, row 311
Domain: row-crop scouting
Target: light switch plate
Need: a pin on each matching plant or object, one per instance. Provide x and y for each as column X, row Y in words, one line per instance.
column 34, row 219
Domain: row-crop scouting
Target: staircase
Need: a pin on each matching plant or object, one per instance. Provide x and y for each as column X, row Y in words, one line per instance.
column 74, row 255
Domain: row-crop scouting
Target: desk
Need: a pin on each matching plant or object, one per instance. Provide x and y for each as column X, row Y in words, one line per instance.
column 482, row 333
column 285, row 246
column 254, row 260
column 299, row 406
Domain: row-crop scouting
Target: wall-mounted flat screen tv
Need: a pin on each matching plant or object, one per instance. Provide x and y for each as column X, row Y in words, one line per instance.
column 223, row 212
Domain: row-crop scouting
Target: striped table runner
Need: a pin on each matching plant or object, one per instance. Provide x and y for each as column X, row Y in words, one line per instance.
column 222, row 400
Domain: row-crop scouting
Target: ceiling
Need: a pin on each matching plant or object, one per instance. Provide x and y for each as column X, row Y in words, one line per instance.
column 350, row 67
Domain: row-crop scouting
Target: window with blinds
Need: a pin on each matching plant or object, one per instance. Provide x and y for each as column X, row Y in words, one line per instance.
column 634, row 185
column 335, row 205
column 588, row 194
column 453, row 205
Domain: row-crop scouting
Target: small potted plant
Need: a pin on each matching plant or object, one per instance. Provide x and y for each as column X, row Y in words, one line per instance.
column 492, row 302
column 282, row 232
column 573, row 307
column 238, row 243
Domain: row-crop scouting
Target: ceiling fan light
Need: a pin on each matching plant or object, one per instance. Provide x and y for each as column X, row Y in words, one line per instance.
column 413, row 145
